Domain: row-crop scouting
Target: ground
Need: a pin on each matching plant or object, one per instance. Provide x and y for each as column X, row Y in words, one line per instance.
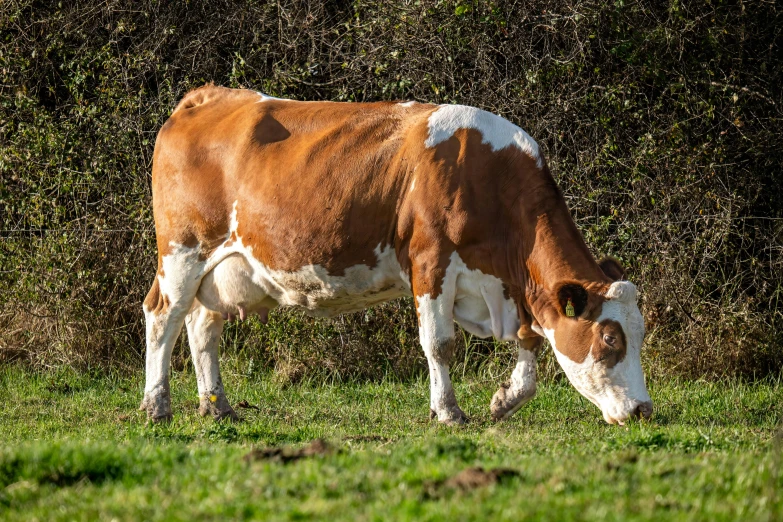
column 74, row 447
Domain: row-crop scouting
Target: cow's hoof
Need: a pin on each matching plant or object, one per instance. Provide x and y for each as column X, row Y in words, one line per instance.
column 453, row 417
column 505, row 402
column 158, row 407
column 218, row 407
column 229, row 414
column 162, row 419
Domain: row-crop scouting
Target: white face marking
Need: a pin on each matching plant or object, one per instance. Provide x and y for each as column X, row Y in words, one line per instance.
column 616, row 391
column 407, row 104
column 498, row 132
column 413, row 184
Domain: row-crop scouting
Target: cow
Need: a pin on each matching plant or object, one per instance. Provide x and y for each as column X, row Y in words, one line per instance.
column 332, row 207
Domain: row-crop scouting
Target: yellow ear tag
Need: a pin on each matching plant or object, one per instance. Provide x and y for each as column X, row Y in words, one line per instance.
column 569, row 309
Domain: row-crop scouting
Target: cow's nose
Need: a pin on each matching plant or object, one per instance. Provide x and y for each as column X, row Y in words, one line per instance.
column 643, row 410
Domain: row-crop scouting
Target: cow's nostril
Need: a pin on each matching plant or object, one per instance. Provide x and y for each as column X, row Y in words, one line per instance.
column 643, row 410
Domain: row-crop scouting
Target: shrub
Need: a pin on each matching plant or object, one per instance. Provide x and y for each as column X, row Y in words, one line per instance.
column 662, row 124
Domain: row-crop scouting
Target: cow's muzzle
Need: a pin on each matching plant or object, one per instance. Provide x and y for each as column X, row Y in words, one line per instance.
column 642, row 410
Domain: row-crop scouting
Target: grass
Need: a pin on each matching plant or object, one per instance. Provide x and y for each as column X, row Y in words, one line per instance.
column 74, row 447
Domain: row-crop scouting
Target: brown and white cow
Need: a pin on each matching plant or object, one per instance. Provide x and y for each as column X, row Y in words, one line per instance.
column 333, row 207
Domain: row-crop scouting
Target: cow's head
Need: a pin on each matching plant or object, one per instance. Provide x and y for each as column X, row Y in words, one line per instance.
column 596, row 332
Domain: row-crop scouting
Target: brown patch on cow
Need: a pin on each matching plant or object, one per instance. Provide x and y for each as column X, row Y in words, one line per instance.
column 576, row 339
column 605, row 353
column 269, row 130
column 286, row 455
column 612, row 268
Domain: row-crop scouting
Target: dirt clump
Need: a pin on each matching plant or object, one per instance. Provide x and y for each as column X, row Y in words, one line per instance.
column 246, row 405
column 478, row 477
column 287, row 454
column 468, row 479
column 366, row 438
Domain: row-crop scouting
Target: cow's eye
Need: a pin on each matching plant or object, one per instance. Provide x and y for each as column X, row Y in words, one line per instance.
column 608, row 339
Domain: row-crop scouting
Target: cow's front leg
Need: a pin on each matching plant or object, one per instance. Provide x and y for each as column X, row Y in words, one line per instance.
column 204, row 329
column 436, row 333
column 522, row 387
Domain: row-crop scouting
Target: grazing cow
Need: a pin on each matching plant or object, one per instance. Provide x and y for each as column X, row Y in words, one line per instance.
column 333, row 207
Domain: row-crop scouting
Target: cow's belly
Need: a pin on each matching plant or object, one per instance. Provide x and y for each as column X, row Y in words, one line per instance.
column 240, row 282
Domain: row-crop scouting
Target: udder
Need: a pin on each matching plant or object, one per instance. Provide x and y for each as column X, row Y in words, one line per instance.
column 231, row 290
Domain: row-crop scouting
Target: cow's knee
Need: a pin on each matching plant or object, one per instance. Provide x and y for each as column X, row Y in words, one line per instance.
column 508, row 400
column 522, row 387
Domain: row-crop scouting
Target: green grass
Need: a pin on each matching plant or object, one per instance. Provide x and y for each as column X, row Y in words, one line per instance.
column 74, row 447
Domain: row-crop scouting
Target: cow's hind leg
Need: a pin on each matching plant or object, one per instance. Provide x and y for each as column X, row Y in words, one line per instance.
column 522, row 386
column 167, row 303
column 204, row 329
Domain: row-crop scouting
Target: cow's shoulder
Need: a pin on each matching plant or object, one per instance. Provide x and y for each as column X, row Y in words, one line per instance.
column 496, row 131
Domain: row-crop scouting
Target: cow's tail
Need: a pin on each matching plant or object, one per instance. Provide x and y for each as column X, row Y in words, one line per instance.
column 155, row 302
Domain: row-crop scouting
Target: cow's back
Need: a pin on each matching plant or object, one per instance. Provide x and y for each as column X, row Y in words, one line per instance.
column 304, row 183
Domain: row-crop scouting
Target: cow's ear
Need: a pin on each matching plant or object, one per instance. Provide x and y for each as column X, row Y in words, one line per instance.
column 571, row 299
column 611, row 267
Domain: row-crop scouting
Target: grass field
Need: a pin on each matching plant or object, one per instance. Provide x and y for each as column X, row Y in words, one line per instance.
column 74, row 447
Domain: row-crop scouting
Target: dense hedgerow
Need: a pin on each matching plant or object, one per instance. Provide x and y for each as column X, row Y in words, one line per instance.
column 661, row 122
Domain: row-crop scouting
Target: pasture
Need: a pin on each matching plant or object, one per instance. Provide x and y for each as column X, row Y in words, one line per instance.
column 74, row 447
column 661, row 124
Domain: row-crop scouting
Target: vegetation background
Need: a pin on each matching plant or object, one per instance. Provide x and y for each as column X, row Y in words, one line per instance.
column 661, row 121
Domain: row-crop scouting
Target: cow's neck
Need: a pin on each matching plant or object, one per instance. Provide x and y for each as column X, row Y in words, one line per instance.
column 552, row 249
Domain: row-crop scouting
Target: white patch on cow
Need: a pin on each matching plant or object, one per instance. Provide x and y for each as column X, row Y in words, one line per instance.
column 204, row 331
column 537, row 328
column 407, row 103
column 265, row 97
column 476, row 301
column 498, row 132
column 436, row 325
column 413, row 184
column 181, row 269
column 236, row 278
column 617, row 391
column 436, row 328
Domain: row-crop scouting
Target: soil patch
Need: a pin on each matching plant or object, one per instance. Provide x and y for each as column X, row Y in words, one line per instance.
column 366, row 438
column 469, row 479
column 286, row 455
